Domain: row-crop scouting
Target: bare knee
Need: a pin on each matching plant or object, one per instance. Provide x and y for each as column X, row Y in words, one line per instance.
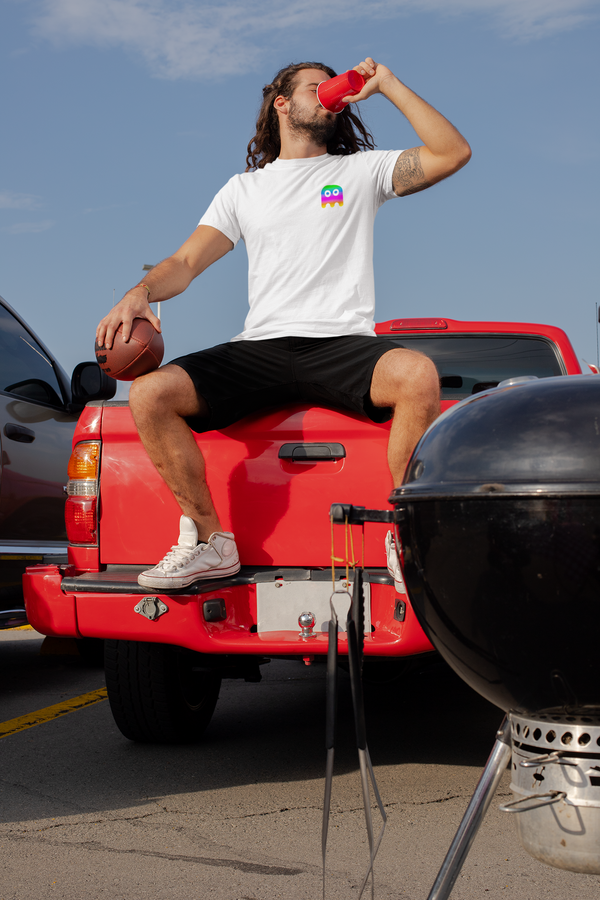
column 147, row 394
column 165, row 392
column 406, row 376
column 423, row 379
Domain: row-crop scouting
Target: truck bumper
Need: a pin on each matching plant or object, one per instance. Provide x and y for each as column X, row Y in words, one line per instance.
column 49, row 609
column 218, row 617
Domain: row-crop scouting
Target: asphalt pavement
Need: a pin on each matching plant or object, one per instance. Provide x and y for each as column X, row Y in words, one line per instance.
column 87, row 814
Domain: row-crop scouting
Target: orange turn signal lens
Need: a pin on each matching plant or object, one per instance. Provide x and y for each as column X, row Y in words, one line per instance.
column 84, row 460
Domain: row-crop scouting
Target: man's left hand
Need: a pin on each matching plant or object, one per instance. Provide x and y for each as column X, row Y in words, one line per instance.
column 374, row 74
column 444, row 149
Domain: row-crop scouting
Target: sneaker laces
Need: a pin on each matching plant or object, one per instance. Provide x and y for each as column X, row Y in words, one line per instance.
column 178, row 556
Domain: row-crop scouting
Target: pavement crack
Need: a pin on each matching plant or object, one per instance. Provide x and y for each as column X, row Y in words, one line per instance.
column 238, row 864
column 438, row 800
column 350, row 809
column 393, row 804
column 271, row 812
column 54, row 825
column 35, row 792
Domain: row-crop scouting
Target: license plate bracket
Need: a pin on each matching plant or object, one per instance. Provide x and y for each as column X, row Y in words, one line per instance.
column 280, row 602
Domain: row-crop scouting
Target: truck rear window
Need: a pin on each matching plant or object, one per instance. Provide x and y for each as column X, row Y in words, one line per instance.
column 468, row 365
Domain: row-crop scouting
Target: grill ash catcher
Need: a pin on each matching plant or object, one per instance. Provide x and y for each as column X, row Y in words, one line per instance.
column 498, row 519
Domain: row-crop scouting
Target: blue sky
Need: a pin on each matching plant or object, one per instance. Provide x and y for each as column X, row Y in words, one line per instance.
column 122, row 118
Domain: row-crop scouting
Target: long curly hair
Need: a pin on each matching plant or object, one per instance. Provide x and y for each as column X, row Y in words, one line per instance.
column 350, row 136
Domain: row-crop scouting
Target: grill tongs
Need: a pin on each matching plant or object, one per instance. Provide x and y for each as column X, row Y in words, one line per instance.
column 355, row 634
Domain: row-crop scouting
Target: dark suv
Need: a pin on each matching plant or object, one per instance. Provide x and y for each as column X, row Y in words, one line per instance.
column 39, row 408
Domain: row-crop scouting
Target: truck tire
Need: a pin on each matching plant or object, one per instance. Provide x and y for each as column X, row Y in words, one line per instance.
column 155, row 695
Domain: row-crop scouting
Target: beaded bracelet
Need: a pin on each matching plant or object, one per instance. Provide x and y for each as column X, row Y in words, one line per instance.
column 141, row 284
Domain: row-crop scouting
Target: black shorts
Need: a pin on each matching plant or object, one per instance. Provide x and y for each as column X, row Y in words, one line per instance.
column 243, row 377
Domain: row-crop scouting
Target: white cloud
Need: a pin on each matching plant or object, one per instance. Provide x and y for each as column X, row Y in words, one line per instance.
column 11, row 200
column 29, row 227
column 207, row 39
column 176, row 39
column 523, row 19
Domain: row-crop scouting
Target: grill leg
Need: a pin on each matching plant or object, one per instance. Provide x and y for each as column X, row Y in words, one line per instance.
column 473, row 817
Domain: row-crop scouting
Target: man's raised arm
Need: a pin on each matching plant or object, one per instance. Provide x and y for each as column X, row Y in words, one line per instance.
column 170, row 277
column 445, row 150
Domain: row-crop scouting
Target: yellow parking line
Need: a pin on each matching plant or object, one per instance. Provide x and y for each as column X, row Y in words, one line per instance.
column 51, row 712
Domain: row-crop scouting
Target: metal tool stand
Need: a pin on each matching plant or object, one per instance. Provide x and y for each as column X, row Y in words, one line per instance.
column 473, row 817
column 499, row 758
column 330, row 723
column 355, row 634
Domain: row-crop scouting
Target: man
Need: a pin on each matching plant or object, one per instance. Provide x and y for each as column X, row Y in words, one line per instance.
column 305, row 208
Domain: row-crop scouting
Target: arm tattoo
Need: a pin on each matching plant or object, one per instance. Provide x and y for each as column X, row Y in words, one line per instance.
column 408, row 176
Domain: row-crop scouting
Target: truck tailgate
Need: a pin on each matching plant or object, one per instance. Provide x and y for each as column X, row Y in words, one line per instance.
column 277, row 507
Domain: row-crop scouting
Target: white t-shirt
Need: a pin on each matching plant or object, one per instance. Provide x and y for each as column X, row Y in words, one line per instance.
column 308, row 229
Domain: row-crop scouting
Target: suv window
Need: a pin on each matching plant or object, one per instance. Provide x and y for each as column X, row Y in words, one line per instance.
column 25, row 369
column 468, row 365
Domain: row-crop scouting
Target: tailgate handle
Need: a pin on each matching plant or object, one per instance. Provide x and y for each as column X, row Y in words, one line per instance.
column 19, row 433
column 316, row 451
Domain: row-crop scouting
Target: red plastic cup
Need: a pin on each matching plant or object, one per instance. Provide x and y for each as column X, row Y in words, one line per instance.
column 330, row 93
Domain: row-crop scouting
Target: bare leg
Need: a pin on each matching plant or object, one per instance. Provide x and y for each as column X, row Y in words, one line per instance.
column 158, row 402
column 408, row 382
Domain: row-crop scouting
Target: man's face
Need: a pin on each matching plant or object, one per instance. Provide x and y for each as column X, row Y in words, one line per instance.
column 306, row 116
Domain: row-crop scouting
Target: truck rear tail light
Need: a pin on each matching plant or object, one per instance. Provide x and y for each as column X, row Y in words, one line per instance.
column 81, row 509
column 81, row 520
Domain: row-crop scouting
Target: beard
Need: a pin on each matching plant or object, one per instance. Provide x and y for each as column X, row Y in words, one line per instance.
column 317, row 126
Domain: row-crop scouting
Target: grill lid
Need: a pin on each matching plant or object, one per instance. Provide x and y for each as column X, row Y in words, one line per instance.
column 537, row 437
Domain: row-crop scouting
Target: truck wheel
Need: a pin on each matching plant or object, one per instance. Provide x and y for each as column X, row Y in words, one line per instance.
column 154, row 693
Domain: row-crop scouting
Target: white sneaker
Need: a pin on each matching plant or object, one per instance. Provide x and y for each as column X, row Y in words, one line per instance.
column 189, row 561
column 393, row 563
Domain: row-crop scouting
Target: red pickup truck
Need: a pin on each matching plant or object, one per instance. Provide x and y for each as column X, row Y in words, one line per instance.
column 273, row 478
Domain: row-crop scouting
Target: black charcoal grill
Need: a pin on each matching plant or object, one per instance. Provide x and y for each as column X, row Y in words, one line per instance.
column 499, row 520
column 500, row 523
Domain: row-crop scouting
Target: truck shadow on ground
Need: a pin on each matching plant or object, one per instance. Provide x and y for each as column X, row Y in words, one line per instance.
column 425, row 715
column 268, row 733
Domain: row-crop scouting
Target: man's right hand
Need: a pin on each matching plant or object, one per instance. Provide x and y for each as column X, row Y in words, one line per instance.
column 169, row 278
column 134, row 305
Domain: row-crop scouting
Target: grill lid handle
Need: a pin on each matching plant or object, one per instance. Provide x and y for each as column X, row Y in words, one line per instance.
column 356, row 515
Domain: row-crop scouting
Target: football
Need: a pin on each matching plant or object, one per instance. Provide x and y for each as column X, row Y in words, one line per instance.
column 141, row 354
